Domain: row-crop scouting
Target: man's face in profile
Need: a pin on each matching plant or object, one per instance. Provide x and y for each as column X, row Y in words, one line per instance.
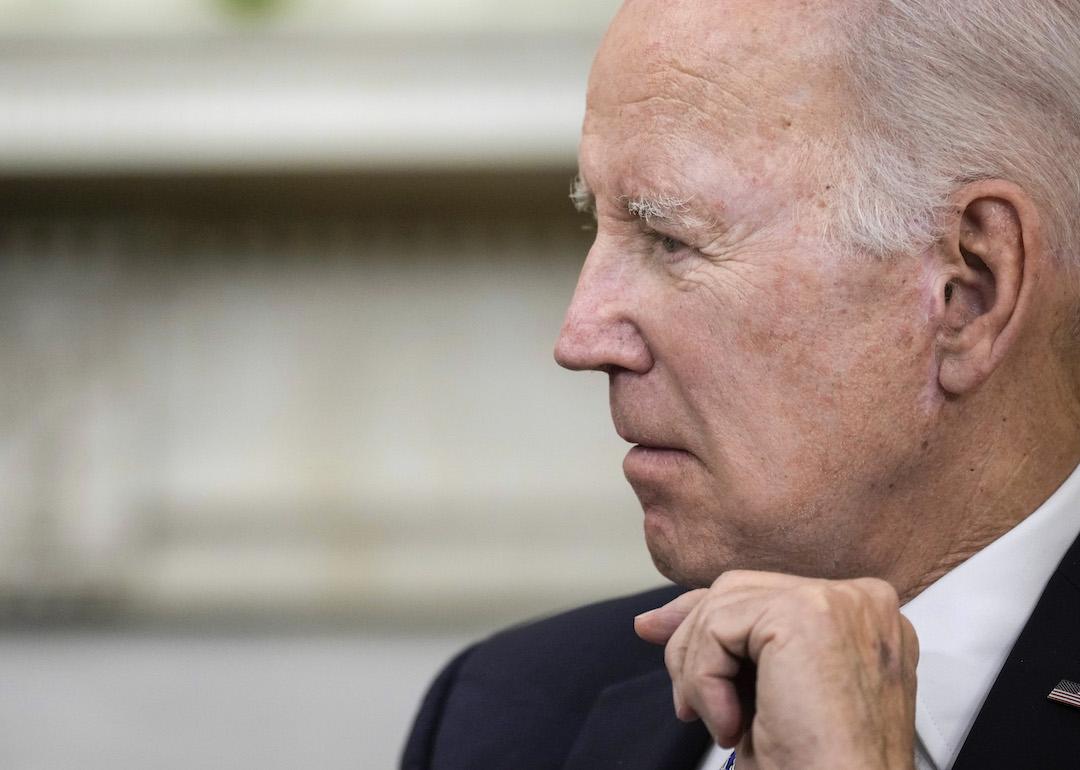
column 773, row 383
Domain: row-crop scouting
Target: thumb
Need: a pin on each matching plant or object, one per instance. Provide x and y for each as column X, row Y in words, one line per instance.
column 658, row 625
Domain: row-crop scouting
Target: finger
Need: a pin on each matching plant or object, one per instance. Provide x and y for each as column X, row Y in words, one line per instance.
column 707, row 687
column 658, row 625
column 717, row 703
column 712, row 679
column 734, row 602
column 674, row 655
column 741, row 578
column 730, row 598
column 693, row 636
column 745, row 752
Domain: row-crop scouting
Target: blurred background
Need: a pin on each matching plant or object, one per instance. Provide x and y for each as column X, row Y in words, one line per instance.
column 280, row 430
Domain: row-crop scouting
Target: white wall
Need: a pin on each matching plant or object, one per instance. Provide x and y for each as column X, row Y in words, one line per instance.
column 358, row 421
column 268, row 420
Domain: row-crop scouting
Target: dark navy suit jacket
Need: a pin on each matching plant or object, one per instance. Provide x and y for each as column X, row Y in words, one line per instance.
column 580, row 691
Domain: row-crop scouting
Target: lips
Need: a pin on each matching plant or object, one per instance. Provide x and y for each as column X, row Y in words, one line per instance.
column 656, row 447
column 647, row 467
column 645, row 441
column 657, row 450
column 649, row 449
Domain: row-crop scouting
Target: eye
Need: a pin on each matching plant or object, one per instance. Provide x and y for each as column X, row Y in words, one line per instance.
column 674, row 250
column 671, row 245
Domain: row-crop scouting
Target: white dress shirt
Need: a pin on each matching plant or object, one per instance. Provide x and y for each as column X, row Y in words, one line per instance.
column 968, row 620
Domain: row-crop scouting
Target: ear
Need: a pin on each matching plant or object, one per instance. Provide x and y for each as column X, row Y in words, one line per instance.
column 991, row 252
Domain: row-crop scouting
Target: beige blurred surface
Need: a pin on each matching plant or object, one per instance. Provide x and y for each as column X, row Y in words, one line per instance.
column 280, row 427
column 177, row 701
column 230, row 400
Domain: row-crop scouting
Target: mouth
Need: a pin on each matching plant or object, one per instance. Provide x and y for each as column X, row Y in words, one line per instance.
column 648, row 466
column 649, row 460
column 642, row 440
column 656, row 452
column 656, row 447
column 652, row 457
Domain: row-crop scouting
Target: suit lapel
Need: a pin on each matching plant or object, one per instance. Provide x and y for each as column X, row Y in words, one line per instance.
column 632, row 726
column 1018, row 726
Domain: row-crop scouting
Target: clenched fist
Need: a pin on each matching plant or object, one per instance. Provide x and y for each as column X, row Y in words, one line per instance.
column 797, row 672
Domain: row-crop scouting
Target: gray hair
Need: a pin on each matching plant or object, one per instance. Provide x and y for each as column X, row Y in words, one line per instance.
column 952, row 91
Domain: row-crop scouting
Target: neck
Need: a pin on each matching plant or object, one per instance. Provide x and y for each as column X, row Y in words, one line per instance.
column 1010, row 462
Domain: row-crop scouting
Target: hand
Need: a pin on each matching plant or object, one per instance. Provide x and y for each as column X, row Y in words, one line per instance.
column 834, row 662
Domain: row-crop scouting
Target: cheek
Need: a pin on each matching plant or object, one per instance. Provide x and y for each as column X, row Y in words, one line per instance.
column 763, row 362
column 804, row 373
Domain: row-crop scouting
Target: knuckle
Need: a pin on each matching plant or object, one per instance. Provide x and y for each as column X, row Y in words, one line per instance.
column 805, row 610
column 814, row 598
column 672, row 658
column 846, row 597
column 730, row 579
column 697, row 676
column 878, row 591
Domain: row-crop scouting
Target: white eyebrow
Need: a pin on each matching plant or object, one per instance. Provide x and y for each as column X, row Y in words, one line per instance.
column 581, row 196
column 667, row 209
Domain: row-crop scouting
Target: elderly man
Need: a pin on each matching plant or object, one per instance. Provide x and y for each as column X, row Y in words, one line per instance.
column 835, row 291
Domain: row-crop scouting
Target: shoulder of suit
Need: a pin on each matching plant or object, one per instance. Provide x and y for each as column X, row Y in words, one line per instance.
column 592, row 644
column 519, row 698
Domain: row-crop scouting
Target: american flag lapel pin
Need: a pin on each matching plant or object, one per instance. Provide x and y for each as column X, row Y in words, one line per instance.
column 1066, row 692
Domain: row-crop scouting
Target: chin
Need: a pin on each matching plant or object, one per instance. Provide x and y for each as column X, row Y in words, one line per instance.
column 680, row 574
column 694, row 567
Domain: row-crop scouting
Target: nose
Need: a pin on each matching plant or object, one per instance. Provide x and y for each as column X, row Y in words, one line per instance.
column 600, row 331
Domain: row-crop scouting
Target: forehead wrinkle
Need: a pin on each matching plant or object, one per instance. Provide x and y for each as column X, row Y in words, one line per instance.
column 723, row 85
column 668, row 100
column 666, row 76
column 733, row 67
column 654, row 93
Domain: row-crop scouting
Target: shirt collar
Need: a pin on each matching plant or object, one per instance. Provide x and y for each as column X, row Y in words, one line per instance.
column 968, row 620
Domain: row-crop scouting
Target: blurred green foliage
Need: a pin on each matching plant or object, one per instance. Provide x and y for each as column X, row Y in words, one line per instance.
column 251, row 8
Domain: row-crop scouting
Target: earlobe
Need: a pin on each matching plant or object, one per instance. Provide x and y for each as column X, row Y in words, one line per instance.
column 984, row 259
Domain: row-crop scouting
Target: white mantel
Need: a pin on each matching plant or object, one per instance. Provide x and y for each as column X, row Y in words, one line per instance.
column 288, row 101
